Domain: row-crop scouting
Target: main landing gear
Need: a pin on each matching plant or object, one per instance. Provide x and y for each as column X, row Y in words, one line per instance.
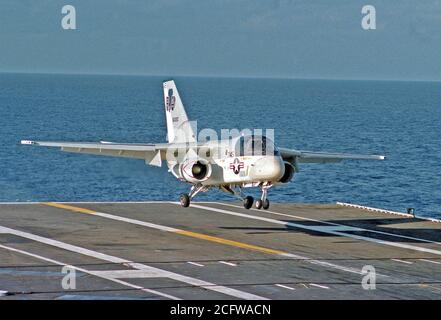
column 263, row 202
column 185, row 198
column 248, row 202
column 238, row 192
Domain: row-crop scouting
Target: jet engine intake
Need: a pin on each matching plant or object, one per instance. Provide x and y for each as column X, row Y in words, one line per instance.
column 197, row 170
column 289, row 173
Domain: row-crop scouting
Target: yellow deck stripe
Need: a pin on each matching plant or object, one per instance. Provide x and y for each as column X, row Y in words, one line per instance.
column 228, row 242
column 181, row 232
column 68, row 207
column 423, row 285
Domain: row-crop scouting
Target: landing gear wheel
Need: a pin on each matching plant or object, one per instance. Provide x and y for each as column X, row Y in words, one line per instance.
column 248, row 202
column 259, row 204
column 265, row 204
column 185, row 200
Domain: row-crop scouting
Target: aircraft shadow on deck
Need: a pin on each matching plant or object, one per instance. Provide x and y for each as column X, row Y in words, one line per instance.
column 371, row 224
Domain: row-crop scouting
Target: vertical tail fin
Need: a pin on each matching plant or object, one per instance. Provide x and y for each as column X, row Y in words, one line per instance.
column 178, row 125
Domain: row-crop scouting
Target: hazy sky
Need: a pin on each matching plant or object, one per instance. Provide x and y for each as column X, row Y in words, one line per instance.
column 279, row 38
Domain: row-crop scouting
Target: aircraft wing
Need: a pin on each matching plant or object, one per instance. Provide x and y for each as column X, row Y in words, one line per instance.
column 302, row 156
column 153, row 154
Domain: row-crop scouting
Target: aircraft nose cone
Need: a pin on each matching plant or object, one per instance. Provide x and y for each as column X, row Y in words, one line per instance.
column 268, row 168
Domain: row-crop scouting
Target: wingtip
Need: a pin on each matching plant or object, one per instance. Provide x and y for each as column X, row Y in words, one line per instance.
column 28, row 142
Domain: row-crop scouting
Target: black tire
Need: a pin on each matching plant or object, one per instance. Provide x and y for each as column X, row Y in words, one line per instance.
column 266, row 204
column 185, row 200
column 248, row 202
column 259, row 204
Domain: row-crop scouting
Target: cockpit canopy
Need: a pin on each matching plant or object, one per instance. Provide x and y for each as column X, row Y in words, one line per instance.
column 255, row 145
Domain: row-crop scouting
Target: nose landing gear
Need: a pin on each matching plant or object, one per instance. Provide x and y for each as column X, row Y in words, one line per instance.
column 185, row 198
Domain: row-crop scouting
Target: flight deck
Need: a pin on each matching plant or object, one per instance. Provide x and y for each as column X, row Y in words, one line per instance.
column 213, row 250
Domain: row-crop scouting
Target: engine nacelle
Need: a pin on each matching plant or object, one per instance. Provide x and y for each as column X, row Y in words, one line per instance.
column 289, row 173
column 195, row 170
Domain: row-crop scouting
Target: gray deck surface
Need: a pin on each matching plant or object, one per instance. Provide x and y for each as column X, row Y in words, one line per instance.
column 158, row 250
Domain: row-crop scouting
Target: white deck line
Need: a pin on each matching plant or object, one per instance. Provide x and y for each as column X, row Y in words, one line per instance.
column 163, row 273
column 89, row 272
column 126, row 274
column 329, row 231
column 318, row 286
column 430, row 261
column 344, row 204
column 402, row 261
column 3, row 293
column 283, row 286
column 228, row 263
column 196, row 264
column 174, row 230
column 342, row 226
column 18, row 203
column 137, row 222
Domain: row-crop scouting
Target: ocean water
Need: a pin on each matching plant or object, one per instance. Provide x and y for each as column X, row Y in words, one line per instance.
column 398, row 119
